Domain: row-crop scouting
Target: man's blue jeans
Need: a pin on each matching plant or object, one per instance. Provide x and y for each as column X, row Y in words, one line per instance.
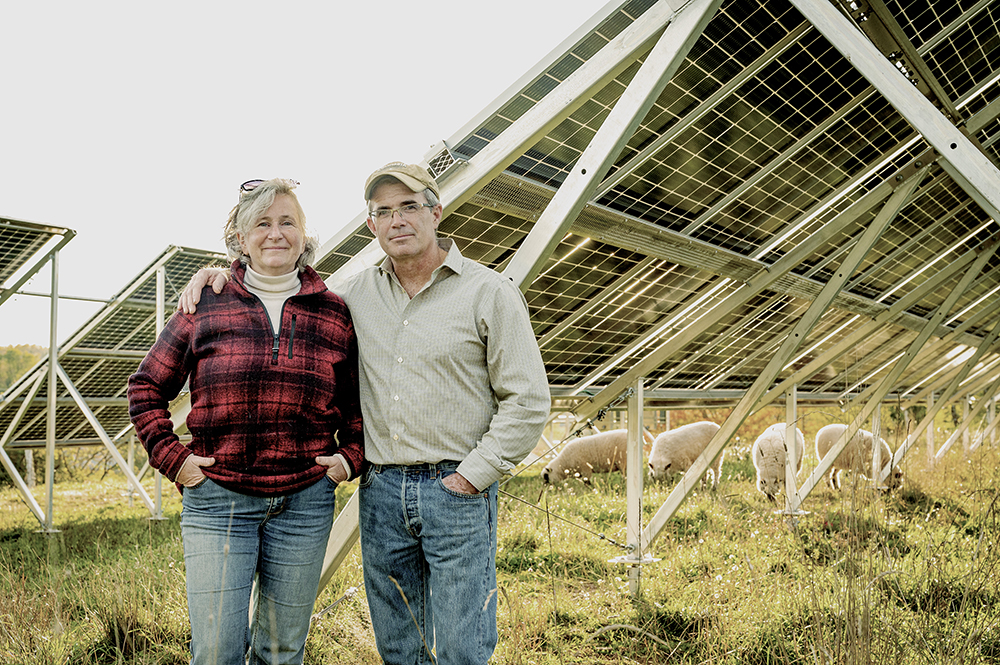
column 429, row 558
column 228, row 539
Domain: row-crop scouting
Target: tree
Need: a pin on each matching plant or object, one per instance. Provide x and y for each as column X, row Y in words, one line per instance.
column 16, row 360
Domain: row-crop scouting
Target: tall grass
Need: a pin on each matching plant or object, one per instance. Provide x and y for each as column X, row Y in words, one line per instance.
column 863, row 577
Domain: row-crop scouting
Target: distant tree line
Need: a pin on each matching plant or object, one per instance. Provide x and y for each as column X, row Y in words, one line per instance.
column 16, row 360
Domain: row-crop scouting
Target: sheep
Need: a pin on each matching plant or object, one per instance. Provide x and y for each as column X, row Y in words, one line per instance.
column 856, row 455
column 675, row 450
column 769, row 458
column 583, row 456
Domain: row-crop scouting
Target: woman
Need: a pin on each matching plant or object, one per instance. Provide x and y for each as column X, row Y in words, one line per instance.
column 275, row 424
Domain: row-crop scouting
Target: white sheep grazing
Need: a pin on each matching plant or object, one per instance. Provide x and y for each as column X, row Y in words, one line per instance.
column 586, row 455
column 857, row 455
column 769, row 458
column 675, row 450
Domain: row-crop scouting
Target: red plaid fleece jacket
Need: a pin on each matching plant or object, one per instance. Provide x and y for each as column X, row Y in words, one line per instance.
column 263, row 406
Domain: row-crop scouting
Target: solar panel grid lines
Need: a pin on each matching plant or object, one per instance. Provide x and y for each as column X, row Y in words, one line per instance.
column 103, row 352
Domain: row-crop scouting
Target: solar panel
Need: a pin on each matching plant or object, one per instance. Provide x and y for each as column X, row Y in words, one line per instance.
column 21, row 251
column 99, row 357
column 764, row 137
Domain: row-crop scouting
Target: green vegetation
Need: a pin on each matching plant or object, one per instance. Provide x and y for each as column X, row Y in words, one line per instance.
column 16, row 360
column 912, row 577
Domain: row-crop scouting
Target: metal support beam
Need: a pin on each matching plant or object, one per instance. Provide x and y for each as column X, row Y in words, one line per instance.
column 642, row 92
column 927, row 421
column 792, row 342
column 633, row 492
column 979, row 408
column 342, row 538
column 108, row 443
column 887, row 382
column 50, row 423
column 763, row 279
column 969, row 167
column 982, row 258
column 792, row 499
column 935, row 349
column 850, row 341
column 7, row 291
column 22, row 487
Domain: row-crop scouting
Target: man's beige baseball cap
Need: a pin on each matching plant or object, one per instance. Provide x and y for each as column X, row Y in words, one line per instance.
column 413, row 176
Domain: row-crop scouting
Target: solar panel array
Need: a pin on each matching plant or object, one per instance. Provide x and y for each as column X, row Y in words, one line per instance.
column 765, row 138
column 767, row 144
column 100, row 356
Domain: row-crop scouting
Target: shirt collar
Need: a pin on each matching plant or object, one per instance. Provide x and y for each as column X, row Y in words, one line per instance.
column 453, row 261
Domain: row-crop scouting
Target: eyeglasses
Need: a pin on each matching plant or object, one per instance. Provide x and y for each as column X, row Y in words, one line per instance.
column 408, row 211
column 251, row 185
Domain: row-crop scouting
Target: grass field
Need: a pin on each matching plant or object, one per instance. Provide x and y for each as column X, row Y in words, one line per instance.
column 862, row 578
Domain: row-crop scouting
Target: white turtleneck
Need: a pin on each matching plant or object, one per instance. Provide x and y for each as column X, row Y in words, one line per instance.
column 273, row 291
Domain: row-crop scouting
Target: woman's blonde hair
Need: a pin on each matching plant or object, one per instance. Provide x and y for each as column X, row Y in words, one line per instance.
column 252, row 205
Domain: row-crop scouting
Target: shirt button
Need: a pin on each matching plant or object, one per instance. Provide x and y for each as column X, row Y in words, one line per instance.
column 395, row 437
column 405, row 322
column 399, row 360
column 396, row 397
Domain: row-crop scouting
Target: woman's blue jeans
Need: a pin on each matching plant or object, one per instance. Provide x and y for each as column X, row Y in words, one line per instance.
column 231, row 538
column 429, row 558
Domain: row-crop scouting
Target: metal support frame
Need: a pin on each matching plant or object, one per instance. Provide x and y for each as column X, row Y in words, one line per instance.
column 766, row 277
column 982, row 376
column 948, row 392
column 633, row 493
column 67, row 235
column 8, row 464
column 887, row 382
column 796, row 335
column 51, row 371
column 968, row 420
column 846, row 343
column 108, row 443
column 982, row 256
column 581, row 183
column 489, row 162
column 969, row 167
column 991, row 425
column 50, row 423
column 933, row 378
column 459, row 184
column 792, row 499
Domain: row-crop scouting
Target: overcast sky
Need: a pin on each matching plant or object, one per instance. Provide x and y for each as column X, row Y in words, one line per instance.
column 134, row 123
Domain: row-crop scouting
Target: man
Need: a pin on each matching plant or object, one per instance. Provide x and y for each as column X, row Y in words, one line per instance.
column 454, row 395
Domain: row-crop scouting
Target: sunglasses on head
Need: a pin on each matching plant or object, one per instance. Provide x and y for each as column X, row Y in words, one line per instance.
column 251, row 185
